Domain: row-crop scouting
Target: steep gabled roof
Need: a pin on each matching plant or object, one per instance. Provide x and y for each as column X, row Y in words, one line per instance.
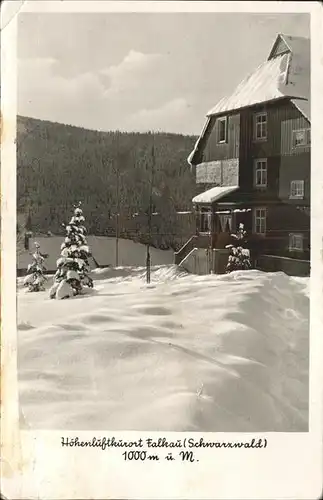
column 285, row 74
column 263, row 85
column 304, row 107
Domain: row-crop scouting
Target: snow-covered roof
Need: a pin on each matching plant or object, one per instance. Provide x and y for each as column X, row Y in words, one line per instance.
column 304, row 106
column 264, row 84
column 285, row 74
column 214, row 194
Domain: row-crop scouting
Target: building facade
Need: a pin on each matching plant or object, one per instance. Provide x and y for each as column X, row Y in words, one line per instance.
column 252, row 159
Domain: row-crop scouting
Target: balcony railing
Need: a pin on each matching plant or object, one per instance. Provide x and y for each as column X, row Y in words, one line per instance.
column 196, row 241
column 220, row 172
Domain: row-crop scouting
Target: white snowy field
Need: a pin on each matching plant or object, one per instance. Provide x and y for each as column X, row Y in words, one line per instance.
column 187, row 353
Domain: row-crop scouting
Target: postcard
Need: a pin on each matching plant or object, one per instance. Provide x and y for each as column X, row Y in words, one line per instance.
column 161, row 250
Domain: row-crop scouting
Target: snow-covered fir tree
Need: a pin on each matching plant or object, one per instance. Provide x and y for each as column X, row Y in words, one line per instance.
column 239, row 258
column 35, row 278
column 73, row 265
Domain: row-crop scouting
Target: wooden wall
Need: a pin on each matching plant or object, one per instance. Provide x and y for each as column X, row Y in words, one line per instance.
column 295, row 167
column 288, row 218
column 230, row 149
column 287, row 126
column 283, row 219
column 284, row 161
column 282, row 118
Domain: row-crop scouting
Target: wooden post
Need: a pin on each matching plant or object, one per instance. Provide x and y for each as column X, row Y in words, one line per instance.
column 148, row 260
column 233, row 221
column 148, row 264
column 117, row 219
column 116, row 170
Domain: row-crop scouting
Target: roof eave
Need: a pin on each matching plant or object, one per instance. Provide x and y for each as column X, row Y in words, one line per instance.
column 195, row 151
column 236, row 110
column 191, row 158
column 226, row 190
column 306, row 115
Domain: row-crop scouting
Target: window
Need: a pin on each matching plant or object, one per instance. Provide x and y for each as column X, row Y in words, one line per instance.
column 222, row 129
column 259, row 221
column 225, row 221
column 260, row 173
column 296, row 242
column 301, row 137
column 260, row 126
column 296, row 189
column 205, row 220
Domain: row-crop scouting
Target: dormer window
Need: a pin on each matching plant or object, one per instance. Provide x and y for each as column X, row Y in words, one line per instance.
column 222, row 130
column 260, row 126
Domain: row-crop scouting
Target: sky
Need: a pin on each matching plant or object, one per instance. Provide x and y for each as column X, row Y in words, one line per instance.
column 140, row 71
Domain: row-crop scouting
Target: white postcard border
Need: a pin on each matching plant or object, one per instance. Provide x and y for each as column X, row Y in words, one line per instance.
column 34, row 465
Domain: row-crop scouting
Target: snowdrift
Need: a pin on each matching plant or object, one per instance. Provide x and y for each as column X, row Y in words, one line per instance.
column 188, row 353
column 158, row 273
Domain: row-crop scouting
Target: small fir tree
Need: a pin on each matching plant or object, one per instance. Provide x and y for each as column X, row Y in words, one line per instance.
column 35, row 278
column 73, row 265
column 239, row 258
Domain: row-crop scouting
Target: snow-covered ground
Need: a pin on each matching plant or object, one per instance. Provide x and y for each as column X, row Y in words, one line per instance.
column 186, row 353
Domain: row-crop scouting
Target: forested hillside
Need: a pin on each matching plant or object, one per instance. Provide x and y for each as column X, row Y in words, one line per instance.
column 110, row 172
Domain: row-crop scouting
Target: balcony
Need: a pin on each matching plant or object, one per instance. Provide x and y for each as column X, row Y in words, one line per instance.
column 219, row 172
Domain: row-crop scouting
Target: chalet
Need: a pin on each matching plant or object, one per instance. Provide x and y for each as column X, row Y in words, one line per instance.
column 252, row 159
